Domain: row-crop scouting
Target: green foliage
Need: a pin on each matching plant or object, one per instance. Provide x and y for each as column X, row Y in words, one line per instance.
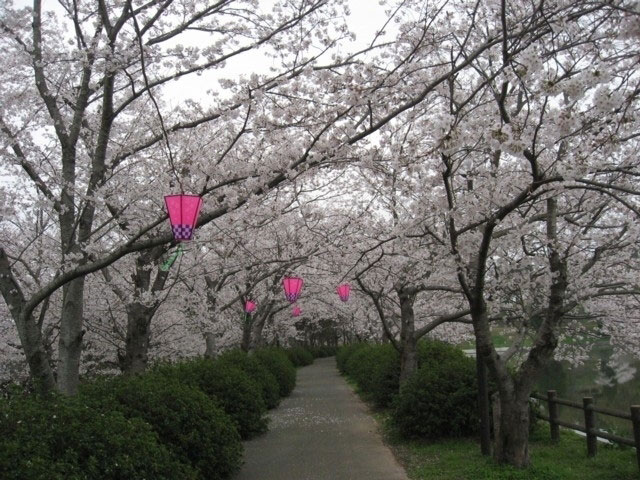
column 184, row 418
column 62, row 438
column 280, row 366
column 299, row 356
column 257, row 371
column 344, row 353
column 237, row 393
column 323, row 352
column 433, row 352
column 438, row 400
column 376, row 370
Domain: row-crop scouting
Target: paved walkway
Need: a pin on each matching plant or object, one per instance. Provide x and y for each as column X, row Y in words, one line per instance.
column 321, row 432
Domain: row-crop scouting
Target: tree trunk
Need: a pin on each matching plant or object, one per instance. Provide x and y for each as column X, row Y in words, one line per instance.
column 257, row 340
column 136, row 355
column 211, row 345
column 512, row 435
column 29, row 331
column 71, row 334
column 246, row 333
column 408, row 342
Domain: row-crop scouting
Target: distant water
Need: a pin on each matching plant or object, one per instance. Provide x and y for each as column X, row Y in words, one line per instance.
column 613, row 380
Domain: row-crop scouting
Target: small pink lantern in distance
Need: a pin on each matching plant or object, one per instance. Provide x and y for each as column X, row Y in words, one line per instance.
column 296, row 311
column 249, row 307
column 343, row 291
column 292, row 288
column 183, row 214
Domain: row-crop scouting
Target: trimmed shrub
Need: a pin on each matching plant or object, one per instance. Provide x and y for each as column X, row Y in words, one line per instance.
column 433, row 352
column 257, row 371
column 63, row 438
column 438, row 400
column 184, row 418
column 299, row 356
column 344, row 352
column 376, row 370
column 280, row 366
column 236, row 392
column 323, row 352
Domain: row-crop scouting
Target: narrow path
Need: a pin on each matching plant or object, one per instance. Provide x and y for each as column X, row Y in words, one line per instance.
column 321, row 432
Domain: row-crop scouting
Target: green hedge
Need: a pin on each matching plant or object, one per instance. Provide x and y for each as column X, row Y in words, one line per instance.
column 237, row 393
column 438, row 400
column 257, row 371
column 184, row 418
column 280, row 366
column 64, row 438
column 376, row 370
column 299, row 356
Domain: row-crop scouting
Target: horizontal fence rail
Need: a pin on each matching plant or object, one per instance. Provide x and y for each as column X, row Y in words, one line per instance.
column 589, row 428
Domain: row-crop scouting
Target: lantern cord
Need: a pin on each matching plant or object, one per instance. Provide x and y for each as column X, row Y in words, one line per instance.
column 153, row 100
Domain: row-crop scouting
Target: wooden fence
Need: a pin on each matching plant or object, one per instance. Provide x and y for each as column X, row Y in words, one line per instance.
column 589, row 427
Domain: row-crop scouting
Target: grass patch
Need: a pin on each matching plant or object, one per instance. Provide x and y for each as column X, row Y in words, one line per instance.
column 460, row 459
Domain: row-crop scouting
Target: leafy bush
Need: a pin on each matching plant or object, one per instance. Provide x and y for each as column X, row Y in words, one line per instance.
column 236, row 392
column 299, row 356
column 184, row 418
column 433, row 352
column 376, row 370
column 257, row 371
column 344, row 352
column 438, row 400
column 280, row 366
column 323, row 352
column 64, row 438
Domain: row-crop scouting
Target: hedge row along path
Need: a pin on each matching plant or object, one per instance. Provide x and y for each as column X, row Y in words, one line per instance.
column 321, row 432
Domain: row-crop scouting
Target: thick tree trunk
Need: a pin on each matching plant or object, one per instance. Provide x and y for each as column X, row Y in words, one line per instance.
column 71, row 333
column 40, row 370
column 29, row 330
column 408, row 341
column 211, row 350
column 246, row 333
column 136, row 354
column 512, row 435
column 257, row 340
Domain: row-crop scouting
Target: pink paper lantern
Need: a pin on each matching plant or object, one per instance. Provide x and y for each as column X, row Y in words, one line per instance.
column 296, row 311
column 183, row 214
column 249, row 306
column 292, row 287
column 343, row 291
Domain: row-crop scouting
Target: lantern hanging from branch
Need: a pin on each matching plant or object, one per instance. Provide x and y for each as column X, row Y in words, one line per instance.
column 292, row 287
column 343, row 291
column 296, row 311
column 249, row 307
column 183, row 214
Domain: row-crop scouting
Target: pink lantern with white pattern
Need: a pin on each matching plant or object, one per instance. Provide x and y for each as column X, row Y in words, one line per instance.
column 343, row 291
column 292, row 287
column 183, row 214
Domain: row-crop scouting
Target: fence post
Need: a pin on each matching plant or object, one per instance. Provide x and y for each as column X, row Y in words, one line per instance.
column 589, row 426
column 635, row 419
column 553, row 415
